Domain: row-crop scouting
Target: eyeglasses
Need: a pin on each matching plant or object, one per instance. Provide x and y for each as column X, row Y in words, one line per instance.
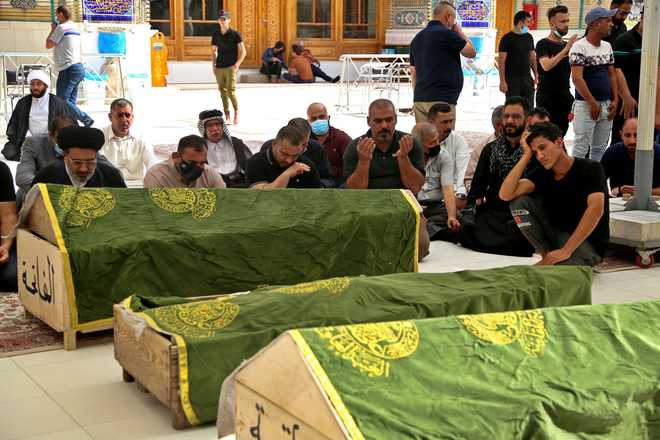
column 80, row 162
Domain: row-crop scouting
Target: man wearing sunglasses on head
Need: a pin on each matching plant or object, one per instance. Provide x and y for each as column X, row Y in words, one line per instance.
column 187, row 168
column 81, row 165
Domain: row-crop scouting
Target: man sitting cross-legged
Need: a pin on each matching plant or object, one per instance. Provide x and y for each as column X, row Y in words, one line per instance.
column 562, row 206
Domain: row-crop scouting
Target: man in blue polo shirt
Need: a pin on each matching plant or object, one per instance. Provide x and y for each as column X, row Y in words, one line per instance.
column 435, row 61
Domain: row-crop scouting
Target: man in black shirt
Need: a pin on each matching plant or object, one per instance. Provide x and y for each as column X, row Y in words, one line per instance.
column 627, row 66
column 384, row 158
column 554, row 89
column 619, row 19
column 516, row 58
column 561, row 207
column 312, row 149
column 81, row 167
column 8, row 222
column 227, row 57
column 283, row 165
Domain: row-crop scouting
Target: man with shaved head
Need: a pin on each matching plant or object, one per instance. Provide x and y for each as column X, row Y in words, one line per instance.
column 334, row 140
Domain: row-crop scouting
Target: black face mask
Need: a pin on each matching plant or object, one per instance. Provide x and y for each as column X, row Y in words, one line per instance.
column 433, row 151
column 190, row 171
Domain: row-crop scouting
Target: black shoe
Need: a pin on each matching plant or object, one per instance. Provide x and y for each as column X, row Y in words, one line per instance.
column 336, row 79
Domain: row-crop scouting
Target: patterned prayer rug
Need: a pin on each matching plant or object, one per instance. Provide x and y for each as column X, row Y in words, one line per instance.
column 21, row 335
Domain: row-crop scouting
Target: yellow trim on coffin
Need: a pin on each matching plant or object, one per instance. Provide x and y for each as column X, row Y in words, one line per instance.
column 328, row 387
column 68, row 275
column 415, row 206
column 183, row 369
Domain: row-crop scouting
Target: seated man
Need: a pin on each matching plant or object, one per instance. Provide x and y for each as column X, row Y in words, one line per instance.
column 186, row 168
column 300, row 70
column 132, row 155
column 272, row 62
column 227, row 154
column 8, row 220
column 493, row 230
column 442, row 116
column 283, row 164
column 81, row 167
column 334, row 140
column 496, row 121
column 38, row 152
column 538, row 115
column 313, row 150
column 384, row 158
column 34, row 113
column 316, row 64
column 561, row 207
column 437, row 194
column 619, row 162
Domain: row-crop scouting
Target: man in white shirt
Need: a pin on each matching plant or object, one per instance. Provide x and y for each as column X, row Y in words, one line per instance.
column 227, row 154
column 442, row 116
column 132, row 155
column 33, row 114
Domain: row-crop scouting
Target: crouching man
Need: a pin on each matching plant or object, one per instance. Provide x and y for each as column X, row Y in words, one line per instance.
column 561, row 207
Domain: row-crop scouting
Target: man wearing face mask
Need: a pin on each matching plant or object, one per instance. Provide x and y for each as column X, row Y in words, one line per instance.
column 516, row 58
column 186, row 168
column 38, row 152
column 493, row 229
column 81, row 167
column 282, row 164
column 554, row 90
column 437, row 193
column 33, row 113
column 334, row 140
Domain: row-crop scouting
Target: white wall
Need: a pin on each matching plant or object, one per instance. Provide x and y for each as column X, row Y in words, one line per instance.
column 23, row 36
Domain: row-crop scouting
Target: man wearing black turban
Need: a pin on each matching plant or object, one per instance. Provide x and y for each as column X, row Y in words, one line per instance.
column 81, row 167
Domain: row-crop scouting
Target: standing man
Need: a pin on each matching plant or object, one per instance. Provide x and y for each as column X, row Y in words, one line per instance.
column 554, row 89
column 517, row 58
column 64, row 37
column 627, row 66
column 384, row 158
column 435, row 61
column 622, row 9
column 132, row 155
column 228, row 55
column 334, row 140
column 596, row 91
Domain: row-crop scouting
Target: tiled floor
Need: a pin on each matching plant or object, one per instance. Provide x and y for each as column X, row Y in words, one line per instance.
column 80, row 395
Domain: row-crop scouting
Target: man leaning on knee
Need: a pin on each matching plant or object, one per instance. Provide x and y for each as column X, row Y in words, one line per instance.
column 561, row 207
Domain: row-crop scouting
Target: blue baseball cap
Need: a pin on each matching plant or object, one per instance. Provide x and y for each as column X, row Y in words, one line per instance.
column 598, row 13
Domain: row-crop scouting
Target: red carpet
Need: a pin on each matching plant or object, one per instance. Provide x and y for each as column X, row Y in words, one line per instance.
column 21, row 335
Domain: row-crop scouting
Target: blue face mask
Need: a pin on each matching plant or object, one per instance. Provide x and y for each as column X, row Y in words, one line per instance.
column 58, row 151
column 320, row 127
column 525, row 30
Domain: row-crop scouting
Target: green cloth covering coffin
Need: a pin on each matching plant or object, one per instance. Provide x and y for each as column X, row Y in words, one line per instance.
column 224, row 332
column 195, row 242
column 584, row 372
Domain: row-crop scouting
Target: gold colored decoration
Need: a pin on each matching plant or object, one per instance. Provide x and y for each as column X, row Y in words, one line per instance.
column 197, row 320
column 84, row 205
column 333, row 285
column 371, row 347
column 526, row 327
column 199, row 202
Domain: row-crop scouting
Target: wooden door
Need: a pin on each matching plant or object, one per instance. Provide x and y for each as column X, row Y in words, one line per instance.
column 504, row 11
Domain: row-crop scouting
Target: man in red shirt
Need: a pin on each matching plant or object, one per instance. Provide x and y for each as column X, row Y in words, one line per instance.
column 334, row 140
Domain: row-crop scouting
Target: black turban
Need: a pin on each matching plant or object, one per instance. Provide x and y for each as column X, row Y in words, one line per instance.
column 80, row 137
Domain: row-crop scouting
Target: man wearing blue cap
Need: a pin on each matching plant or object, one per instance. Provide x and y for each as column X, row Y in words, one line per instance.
column 596, row 93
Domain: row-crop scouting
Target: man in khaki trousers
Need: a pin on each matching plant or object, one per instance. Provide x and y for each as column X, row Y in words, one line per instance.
column 228, row 55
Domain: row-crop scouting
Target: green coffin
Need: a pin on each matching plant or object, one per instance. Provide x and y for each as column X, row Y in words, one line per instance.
column 224, row 332
column 586, row 372
column 185, row 242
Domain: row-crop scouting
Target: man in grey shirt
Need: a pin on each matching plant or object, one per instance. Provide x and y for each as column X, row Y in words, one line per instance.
column 65, row 39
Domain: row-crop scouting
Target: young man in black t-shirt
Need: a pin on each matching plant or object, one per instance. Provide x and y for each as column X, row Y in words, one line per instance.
column 227, row 57
column 554, row 89
column 282, row 165
column 517, row 58
column 8, row 220
column 562, row 206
